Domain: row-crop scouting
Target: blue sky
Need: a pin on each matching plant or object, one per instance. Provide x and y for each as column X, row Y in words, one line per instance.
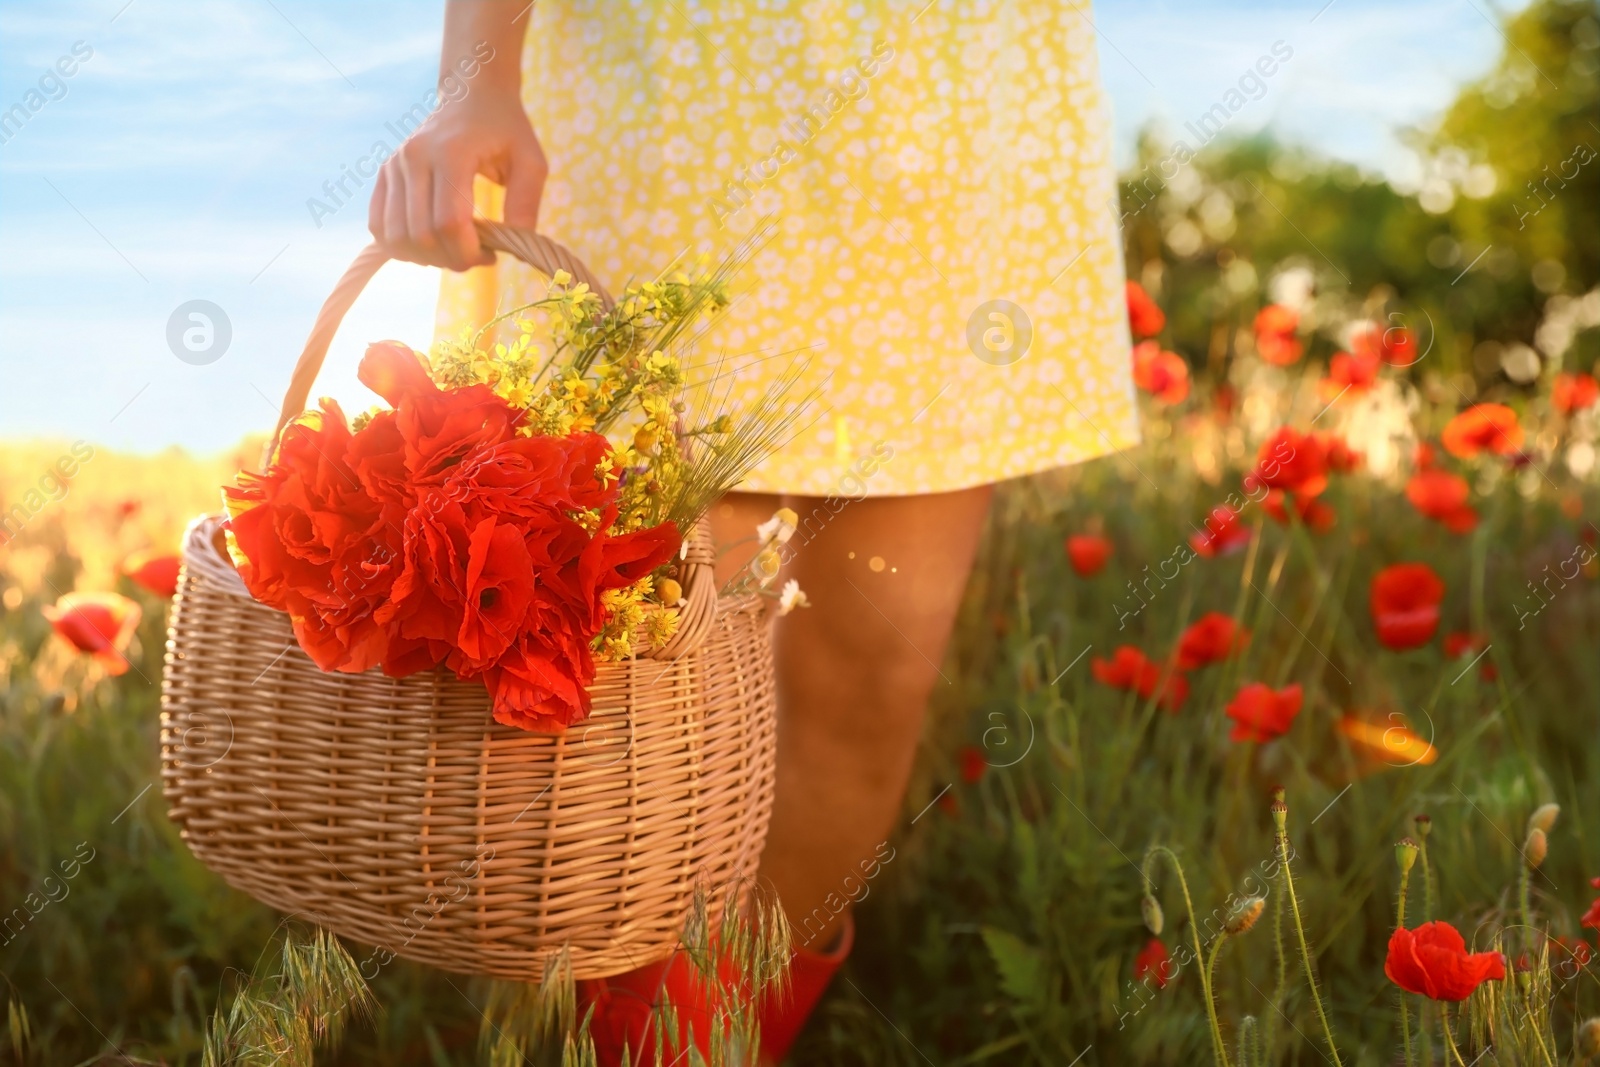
column 174, row 164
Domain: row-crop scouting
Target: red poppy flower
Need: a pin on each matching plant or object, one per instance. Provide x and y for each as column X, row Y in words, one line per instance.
column 973, row 765
column 1405, row 604
column 159, row 574
column 127, row 508
column 1275, row 328
column 1442, row 496
column 1294, row 461
column 1088, row 553
column 309, row 540
column 100, row 624
column 1223, row 533
column 1424, row 456
column 435, row 427
column 1398, row 346
column 1123, row 670
column 1574, row 392
column 949, row 804
column 1483, row 427
column 1261, row 713
column 1153, row 963
column 437, row 534
column 1591, row 918
column 1460, row 645
column 1169, row 693
column 1164, row 375
column 1433, row 960
column 1145, row 316
column 1349, row 374
column 1129, row 668
column 1318, row 517
column 1577, row 948
column 1211, row 638
column 1341, row 458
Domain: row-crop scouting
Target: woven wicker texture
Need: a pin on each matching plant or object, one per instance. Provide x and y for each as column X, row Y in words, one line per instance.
column 398, row 813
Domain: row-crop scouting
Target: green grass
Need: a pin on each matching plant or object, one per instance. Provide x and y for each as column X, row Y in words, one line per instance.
column 1047, row 851
column 1004, row 933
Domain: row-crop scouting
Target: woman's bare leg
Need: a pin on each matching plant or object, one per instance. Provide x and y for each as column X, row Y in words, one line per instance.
column 884, row 576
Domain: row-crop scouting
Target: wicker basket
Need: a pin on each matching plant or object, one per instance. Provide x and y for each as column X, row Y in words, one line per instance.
column 398, row 813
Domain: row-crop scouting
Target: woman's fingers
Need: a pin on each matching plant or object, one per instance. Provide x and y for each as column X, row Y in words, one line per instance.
column 525, row 183
column 422, row 204
column 453, row 211
column 416, row 161
column 395, row 237
column 376, row 205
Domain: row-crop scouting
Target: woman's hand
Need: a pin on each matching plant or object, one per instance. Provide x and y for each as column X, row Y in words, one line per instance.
column 422, row 206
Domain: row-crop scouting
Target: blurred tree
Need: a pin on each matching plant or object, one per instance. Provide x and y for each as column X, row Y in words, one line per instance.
column 1497, row 237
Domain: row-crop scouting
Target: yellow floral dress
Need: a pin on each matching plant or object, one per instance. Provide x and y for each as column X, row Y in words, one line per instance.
column 946, row 263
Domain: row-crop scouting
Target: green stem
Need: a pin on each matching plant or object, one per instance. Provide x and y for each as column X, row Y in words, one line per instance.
column 1405, row 1031
column 1206, row 981
column 1405, row 1013
column 1271, row 1042
column 1305, row 951
column 1199, row 950
column 1523, row 881
column 1427, row 879
column 1249, row 1043
column 1449, row 1037
column 1425, row 1032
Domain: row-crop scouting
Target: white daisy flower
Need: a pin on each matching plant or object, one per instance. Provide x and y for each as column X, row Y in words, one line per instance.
column 792, row 597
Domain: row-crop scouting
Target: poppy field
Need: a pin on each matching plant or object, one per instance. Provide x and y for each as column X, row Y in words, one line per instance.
column 1274, row 740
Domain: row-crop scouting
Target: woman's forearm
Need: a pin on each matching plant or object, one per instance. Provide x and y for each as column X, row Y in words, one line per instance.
column 469, row 26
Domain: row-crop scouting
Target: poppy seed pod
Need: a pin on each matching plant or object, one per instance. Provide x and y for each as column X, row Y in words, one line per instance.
column 1246, row 915
column 1588, row 1045
column 1405, row 854
column 1280, row 815
column 1535, row 848
column 1150, row 908
column 1544, row 817
column 1424, row 825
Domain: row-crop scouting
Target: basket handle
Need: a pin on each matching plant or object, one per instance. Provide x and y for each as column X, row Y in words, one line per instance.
column 534, row 249
column 697, row 617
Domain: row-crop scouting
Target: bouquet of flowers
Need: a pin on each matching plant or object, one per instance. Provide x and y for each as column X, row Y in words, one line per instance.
column 513, row 514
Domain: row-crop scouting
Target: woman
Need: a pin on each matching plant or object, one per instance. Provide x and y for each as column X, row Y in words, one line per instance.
column 946, row 261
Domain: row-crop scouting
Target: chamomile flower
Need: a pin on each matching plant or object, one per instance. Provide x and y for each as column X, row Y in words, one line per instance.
column 779, row 528
column 792, row 597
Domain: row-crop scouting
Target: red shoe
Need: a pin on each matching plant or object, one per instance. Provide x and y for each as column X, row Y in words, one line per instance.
column 783, row 1016
column 624, row 1007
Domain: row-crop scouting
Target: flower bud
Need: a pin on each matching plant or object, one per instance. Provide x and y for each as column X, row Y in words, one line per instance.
column 1535, row 848
column 1588, row 1045
column 1245, row 916
column 1424, row 825
column 1150, row 908
column 669, row 591
column 1544, row 817
column 1405, row 854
